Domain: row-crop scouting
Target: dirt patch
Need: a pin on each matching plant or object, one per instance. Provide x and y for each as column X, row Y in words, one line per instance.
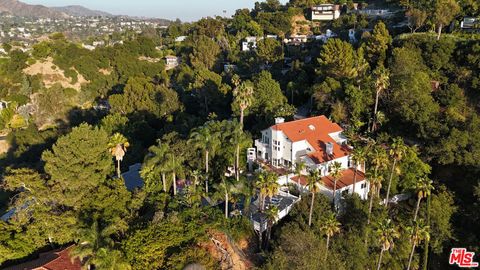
column 4, row 146
column 51, row 74
column 224, row 250
column 300, row 25
column 149, row 59
column 105, row 71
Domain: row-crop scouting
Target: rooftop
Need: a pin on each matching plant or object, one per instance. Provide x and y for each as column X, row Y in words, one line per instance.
column 328, row 181
column 316, row 131
column 53, row 260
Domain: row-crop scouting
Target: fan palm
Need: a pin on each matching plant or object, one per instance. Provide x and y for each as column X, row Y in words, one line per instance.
column 271, row 214
column 313, row 181
column 375, row 184
column 243, row 98
column 382, row 82
column 173, row 166
column 330, row 226
column 268, row 186
column 418, row 232
column 118, row 145
column 358, row 156
column 386, row 232
column 423, row 188
column 299, row 167
column 336, row 175
column 397, row 151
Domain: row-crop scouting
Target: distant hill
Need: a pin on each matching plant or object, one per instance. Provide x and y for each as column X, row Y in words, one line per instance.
column 79, row 11
column 18, row 8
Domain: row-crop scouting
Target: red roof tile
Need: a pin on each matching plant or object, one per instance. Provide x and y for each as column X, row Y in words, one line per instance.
column 328, row 181
column 315, row 130
column 53, row 260
column 345, row 180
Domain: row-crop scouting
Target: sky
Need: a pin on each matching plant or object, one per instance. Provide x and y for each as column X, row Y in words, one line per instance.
column 185, row 10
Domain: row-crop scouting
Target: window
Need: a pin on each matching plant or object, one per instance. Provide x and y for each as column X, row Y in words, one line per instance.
column 364, row 185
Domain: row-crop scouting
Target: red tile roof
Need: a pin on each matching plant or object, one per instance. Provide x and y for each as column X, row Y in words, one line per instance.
column 345, row 180
column 315, row 130
column 328, row 181
column 53, row 260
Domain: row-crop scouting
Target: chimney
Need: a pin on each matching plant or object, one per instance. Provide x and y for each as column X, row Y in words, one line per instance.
column 329, row 148
column 279, row 120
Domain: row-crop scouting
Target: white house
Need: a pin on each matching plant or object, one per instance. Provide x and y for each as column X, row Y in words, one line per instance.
column 172, row 61
column 249, row 43
column 325, row 12
column 318, row 143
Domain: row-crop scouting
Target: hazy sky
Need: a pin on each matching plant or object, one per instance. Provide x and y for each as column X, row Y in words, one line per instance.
column 186, row 10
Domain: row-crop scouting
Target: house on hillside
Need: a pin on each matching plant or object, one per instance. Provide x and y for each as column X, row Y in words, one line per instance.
column 250, row 43
column 318, row 143
column 172, row 61
column 470, row 24
column 325, row 12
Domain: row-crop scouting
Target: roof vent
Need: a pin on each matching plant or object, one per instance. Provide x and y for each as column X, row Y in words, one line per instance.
column 279, row 120
column 329, row 148
column 311, row 127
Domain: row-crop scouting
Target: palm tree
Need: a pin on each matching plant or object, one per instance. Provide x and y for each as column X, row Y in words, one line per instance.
column 313, row 181
column 203, row 138
column 386, row 232
column 196, row 176
column 358, row 156
column 155, row 164
column 173, row 166
column 236, row 137
column 397, row 151
column 423, row 188
column 271, row 214
column 299, row 167
column 268, row 186
column 243, row 98
column 330, row 227
column 418, row 232
column 118, row 145
column 382, row 82
column 225, row 186
column 375, row 186
column 379, row 159
column 336, row 174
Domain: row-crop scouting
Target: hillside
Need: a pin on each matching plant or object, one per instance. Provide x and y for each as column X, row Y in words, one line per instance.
column 18, row 8
column 80, row 11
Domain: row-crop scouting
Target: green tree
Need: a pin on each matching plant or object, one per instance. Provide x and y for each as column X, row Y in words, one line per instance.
column 78, row 163
column 118, row 147
column 268, row 96
column 382, row 82
column 155, row 166
column 269, row 50
column 358, row 156
column 207, row 140
column 377, row 45
column 338, row 59
column 336, row 173
column 445, row 12
column 299, row 167
column 205, row 52
column 416, row 18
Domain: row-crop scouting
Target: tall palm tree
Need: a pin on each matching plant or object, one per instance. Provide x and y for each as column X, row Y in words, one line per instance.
column 236, row 138
column 195, row 174
column 336, row 174
column 359, row 156
column 386, row 232
column 268, row 186
column 271, row 214
column 225, row 186
column 299, row 167
column 243, row 98
column 378, row 158
column 118, row 145
column 423, row 188
column 155, row 165
column 375, row 185
column 330, row 226
column 418, row 232
column 382, row 82
column 203, row 138
column 313, row 181
column 173, row 166
column 397, row 151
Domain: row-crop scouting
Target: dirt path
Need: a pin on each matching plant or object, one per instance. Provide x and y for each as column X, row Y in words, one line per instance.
column 227, row 252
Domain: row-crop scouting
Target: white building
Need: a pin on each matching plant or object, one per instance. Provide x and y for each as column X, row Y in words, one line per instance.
column 172, row 61
column 250, row 43
column 318, row 143
column 325, row 12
